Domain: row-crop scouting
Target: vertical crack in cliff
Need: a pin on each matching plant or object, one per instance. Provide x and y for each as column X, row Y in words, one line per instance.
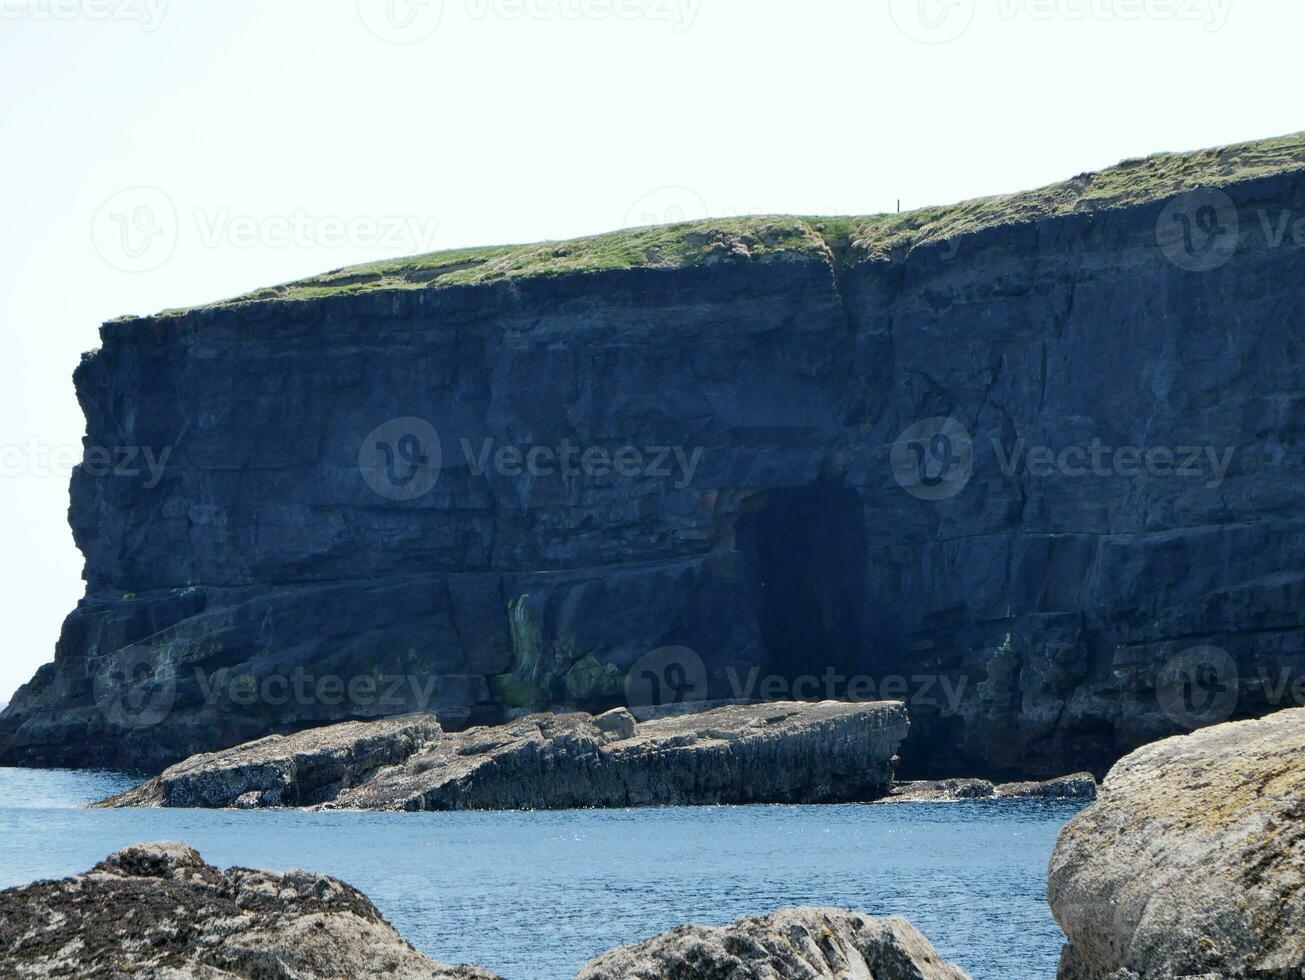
column 838, row 243
column 841, row 252
column 1042, row 378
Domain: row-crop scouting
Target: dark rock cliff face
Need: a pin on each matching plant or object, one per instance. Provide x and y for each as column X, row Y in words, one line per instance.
column 1026, row 617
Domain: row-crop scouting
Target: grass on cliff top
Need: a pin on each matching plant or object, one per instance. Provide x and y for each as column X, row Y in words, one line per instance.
column 662, row 246
column 848, row 239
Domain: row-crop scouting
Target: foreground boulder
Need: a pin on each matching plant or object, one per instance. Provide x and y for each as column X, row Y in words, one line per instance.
column 157, row 910
column 788, row 752
column 1192, row 862
column 796, row 944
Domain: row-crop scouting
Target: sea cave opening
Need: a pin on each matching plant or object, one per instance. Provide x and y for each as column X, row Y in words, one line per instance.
column 809, row 549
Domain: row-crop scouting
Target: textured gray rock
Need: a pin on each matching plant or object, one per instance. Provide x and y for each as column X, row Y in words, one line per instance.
column 309, row 767
column 1192, row 861
column 158, row 911
column 1080, row 786
column 941, row 791
column 1037, row 611
column 773, row 753
column 795, row 944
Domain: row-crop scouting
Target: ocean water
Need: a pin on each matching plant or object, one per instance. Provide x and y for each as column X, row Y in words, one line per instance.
column 534, row 895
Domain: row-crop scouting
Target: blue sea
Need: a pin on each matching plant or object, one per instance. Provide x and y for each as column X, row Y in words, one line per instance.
column 534, row 895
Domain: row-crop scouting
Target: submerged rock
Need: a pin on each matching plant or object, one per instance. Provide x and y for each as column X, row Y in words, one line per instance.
column 787, row 752
column 1080, row 786
column 157, row 910
column 797, row 944
column 1192, row 862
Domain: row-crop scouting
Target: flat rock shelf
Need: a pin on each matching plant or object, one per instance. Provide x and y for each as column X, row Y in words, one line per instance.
column 787, row 752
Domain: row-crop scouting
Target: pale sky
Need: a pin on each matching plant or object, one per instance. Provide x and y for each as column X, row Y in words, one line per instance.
column 273, row 139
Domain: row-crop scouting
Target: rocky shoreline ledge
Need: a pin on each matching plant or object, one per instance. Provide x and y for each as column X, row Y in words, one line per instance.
column 1190, row 864
column 158, row 910
column 786, row 752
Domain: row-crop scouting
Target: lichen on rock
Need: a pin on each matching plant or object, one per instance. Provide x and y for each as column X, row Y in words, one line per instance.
column 158, row 910
column 1192, row 861
column 796, row 944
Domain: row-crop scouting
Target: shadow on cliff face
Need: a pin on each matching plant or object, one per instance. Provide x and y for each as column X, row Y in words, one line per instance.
column 809, row 548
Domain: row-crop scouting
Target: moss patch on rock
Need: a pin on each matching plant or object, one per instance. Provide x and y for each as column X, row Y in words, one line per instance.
column 548, row 671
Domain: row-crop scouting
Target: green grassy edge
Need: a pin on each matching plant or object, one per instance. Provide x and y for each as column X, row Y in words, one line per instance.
column 845, row 239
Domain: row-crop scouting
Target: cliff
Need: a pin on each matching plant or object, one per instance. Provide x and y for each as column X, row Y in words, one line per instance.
column 1008, row 461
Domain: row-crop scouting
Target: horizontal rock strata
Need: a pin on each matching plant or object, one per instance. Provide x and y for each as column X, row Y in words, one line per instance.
column 1192, row 861
column 158, row 911
column 788, row 752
